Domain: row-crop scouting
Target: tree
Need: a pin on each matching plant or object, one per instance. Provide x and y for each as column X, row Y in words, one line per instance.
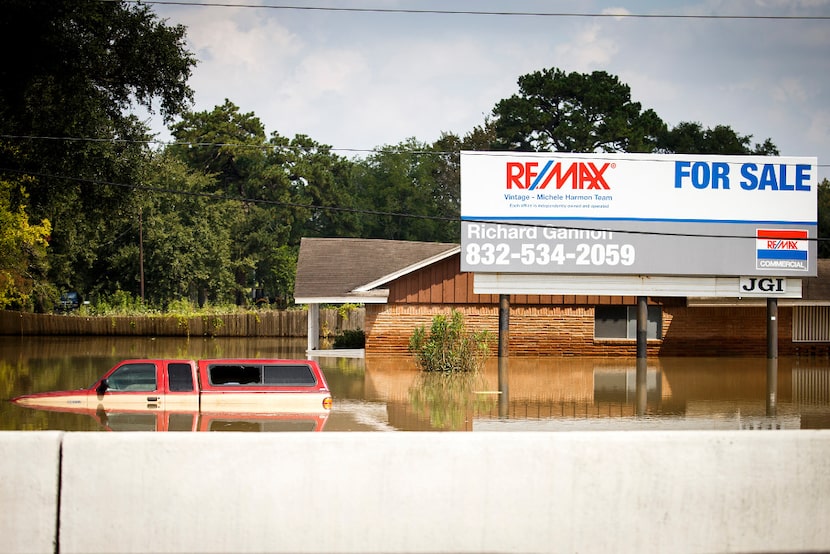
column 287, row 188
column 824, row 218
column 692, row 138
column 222, row 142
column 84, row 64
column 23, row 249
column 402, row 182
column 319, row 180
column 574, row 112
column 186, row 238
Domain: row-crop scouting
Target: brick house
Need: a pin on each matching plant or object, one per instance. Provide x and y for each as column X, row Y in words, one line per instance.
column 403, row 284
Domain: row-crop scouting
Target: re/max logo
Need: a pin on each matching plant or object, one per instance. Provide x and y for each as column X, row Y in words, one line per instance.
column 578, row 175
column 782, row 245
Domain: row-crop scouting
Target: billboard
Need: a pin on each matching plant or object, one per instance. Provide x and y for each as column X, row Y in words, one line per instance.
column 638, row 214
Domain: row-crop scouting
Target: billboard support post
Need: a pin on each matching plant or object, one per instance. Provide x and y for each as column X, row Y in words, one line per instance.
column 642, row 327
column 772, row 355
column 504, row 352
column 504, row 325
column 772, row 328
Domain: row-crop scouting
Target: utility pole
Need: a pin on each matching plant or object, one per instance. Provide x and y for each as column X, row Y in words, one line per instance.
column 141, row 253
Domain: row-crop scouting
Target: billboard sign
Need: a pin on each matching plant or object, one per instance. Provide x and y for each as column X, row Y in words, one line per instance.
column 639, row 214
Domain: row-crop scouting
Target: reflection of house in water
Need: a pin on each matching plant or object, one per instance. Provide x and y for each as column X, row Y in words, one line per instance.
column 811, row 393
column 620, row 385
column 602, row 393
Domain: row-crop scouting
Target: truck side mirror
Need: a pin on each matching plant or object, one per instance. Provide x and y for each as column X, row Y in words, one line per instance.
column 102, row 386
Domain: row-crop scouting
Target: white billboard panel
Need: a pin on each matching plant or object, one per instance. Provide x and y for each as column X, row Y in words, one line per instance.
column 638, row 214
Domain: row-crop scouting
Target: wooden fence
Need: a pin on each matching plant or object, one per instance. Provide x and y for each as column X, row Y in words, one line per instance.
column 287, row 323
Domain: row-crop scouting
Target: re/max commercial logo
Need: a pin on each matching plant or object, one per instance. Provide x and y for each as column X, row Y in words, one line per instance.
column 574, row 175
column 781, row 249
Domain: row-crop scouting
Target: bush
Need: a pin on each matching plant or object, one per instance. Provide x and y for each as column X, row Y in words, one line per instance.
column 449, row 346
column 350, row 339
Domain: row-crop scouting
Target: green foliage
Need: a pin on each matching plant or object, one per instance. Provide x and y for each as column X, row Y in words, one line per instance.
column 350, row 338
column 415, row 179
column 344, row 310
column 118, row 303
column 824, row 218
column 692, row 138
column 23, row 248
column 450, row 400
column 449, row 345
column 574, row 112
column 231, row 146
column 84, row 66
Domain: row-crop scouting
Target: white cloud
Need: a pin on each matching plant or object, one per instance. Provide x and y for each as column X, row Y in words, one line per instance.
column 591, row 48
column 790, row 90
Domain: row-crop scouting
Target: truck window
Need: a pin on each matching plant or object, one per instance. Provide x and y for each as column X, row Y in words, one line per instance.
column 133, row 377
column 289, row 375
column 235, row 374
column 180, row 377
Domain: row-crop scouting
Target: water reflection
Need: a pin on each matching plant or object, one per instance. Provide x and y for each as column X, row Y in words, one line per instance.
column 390, row 394
column 196, row 421
column 450, row 401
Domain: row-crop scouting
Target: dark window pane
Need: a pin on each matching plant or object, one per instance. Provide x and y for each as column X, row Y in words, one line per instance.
column 180, row 377
column 610, row 322
column 235, row 375
column 289, row 375
column 620, row 322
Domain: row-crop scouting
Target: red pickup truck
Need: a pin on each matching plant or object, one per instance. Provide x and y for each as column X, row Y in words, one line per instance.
column 214, row 386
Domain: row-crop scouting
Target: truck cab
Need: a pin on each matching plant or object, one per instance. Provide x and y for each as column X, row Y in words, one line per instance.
column 165, row 385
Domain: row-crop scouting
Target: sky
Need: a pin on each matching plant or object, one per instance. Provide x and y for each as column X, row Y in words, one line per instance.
column 357, row 80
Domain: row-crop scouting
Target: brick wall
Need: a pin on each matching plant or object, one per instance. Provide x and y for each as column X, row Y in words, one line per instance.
column 569, row 330
column 534, row 330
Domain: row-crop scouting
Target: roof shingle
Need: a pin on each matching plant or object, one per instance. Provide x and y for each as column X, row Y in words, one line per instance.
column 334, row 267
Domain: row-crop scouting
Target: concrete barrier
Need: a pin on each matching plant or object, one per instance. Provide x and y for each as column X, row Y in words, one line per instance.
column 29, row 478
column 446, row 492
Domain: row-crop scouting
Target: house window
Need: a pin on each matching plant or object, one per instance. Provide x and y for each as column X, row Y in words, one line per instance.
column 620, row 322
column 811, row 324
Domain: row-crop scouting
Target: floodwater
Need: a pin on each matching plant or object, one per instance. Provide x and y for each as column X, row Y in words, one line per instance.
column 390, row 394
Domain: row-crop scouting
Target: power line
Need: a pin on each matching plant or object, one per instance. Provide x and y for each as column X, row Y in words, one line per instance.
column 297, row 148
column 614, row 15
column 360, row 211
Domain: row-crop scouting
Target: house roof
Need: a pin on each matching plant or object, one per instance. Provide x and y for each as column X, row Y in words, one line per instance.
column 818, row 288
column 338, row 270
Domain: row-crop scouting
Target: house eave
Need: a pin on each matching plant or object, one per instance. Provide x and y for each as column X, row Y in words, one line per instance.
column 409, row 269
column 381, row 297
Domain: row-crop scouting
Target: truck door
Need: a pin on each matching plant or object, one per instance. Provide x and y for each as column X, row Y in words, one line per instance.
column 134, row 386
column 182, row 386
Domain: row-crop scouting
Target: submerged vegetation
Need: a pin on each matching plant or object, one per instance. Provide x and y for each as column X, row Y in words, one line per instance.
column 450, row 400
column 449, row 345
